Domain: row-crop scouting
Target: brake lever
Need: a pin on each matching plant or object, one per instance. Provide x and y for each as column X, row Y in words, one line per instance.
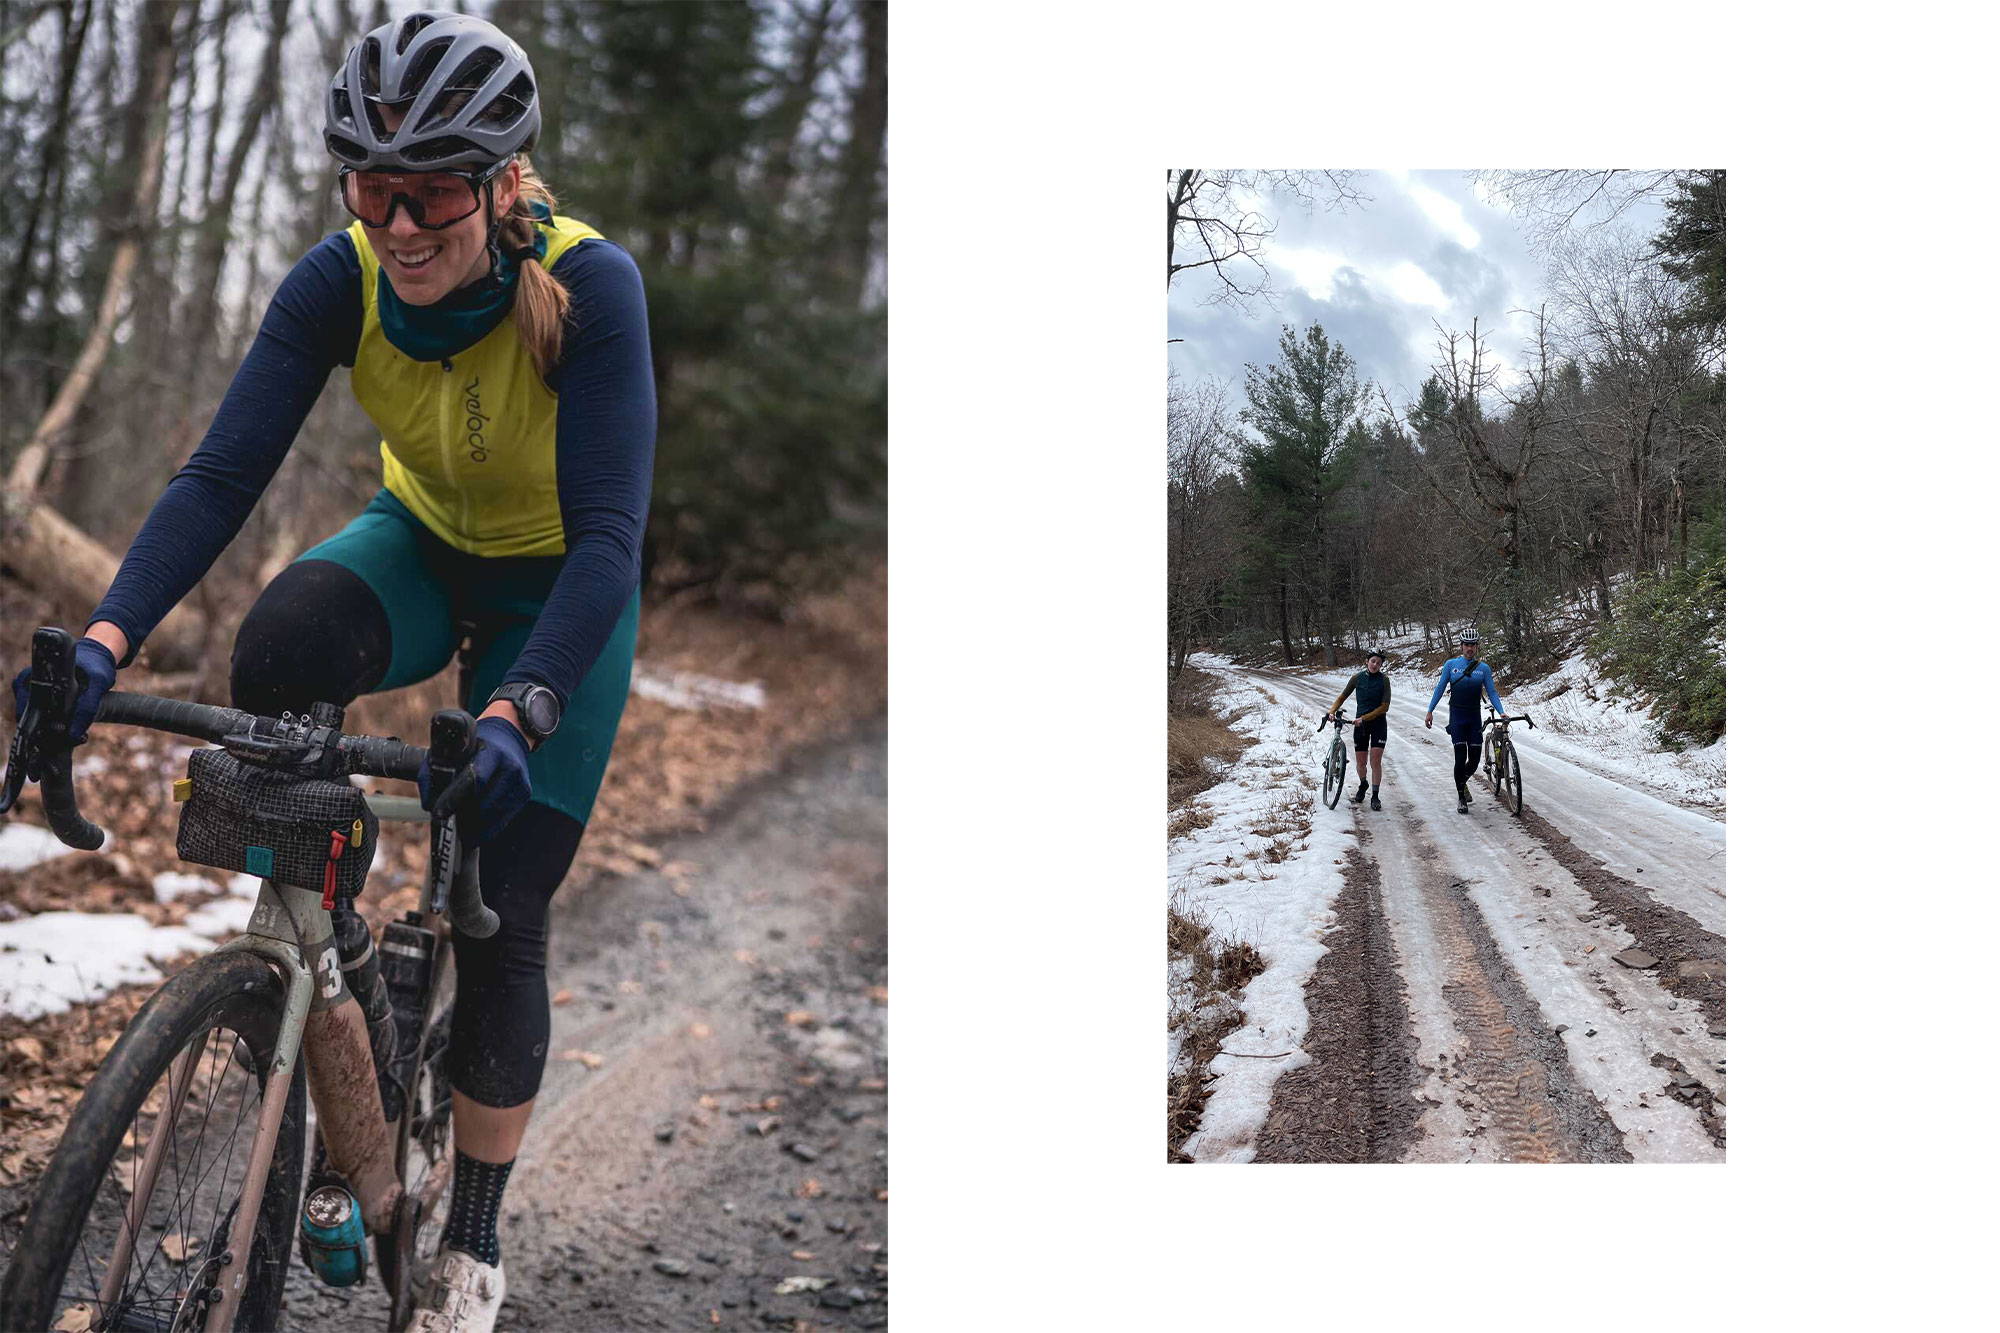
column 454, row 878
column 43, row 725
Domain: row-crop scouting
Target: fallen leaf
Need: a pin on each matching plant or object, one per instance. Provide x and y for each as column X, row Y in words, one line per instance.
column 799, row 1018
column 562, row 997
column 879, row 994
column 29, row 1049
column 588, row 1059
column 812, row 1189
column 804, row 1256
column 700, row 1031
column 177, row 1247
column 629, row 987
column 881, row 1196
column 1589, row 947
column 76, row 1319
column 708, row 1102
column 745, row 957
column 772, row 1103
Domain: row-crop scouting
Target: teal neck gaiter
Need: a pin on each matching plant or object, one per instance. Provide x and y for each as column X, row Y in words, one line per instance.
column 447, row 327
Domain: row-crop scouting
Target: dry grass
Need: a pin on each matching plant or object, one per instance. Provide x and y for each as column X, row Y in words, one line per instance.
column 1192, row 816
column 1196, row 735
column 1204, row 1009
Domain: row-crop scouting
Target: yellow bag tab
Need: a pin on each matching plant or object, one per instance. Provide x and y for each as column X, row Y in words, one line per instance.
column 183, row 788
column 355, row 841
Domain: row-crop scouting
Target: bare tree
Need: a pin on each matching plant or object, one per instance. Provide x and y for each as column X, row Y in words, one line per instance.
column 1556, row 204
column 1201, row 450
column 1213, row 217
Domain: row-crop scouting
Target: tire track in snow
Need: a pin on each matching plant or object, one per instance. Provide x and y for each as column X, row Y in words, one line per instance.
column 1499, row 943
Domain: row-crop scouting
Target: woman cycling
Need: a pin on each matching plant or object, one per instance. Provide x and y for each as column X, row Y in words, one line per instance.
column 502, row 351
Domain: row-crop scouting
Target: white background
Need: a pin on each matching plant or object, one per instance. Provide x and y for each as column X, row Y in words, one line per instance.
column 1028, row 145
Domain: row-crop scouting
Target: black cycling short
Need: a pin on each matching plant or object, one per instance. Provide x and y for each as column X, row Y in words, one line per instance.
column 1371, row 735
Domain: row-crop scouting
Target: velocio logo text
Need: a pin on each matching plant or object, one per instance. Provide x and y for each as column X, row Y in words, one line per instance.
column 475, row 423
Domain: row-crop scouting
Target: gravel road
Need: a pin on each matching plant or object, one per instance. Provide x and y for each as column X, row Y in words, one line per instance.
column 725, row 1163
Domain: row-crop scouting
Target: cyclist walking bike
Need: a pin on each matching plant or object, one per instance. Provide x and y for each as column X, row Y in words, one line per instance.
column 1465, row 676
column 1370, row 688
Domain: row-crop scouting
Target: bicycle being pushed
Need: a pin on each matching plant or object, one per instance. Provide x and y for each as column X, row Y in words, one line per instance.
column 1503, row 766
column 1334, row 768
column 171, row 1201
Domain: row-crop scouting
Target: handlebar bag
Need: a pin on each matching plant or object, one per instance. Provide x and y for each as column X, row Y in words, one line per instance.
column 306, row 832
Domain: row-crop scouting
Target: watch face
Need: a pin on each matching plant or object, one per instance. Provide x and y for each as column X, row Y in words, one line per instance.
column 539, row 707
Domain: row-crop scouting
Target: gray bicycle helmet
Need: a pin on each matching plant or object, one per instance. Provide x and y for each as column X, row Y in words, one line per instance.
column 1470, row 636
column 467, row 91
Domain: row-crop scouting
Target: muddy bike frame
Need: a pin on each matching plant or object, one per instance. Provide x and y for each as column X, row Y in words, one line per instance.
column 288, row 926
column 291, row 928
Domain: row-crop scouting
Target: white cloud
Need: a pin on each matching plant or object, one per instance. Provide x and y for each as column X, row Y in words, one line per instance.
column 1446, row 214
column 1410, row 283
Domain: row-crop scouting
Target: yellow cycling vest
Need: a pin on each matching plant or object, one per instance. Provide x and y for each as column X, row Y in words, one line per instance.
column 471, row 448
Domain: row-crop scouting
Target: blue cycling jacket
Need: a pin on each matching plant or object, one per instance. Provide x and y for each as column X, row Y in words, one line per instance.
column 1465, row 679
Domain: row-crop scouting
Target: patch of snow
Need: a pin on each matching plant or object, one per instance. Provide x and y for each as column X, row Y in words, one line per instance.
column 221, row 919
column 685, row 689
column 53, row 960
column 173, row 884
column 24, row 845
column 1222, row 876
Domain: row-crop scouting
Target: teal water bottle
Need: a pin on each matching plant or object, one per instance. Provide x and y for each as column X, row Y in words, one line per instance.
column 331, row 1234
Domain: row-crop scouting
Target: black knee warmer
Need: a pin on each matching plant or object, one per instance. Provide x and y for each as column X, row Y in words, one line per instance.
column 500, row 1020
column 316, row 633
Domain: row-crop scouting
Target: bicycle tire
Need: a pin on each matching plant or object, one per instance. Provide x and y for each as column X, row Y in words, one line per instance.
column 231, row 992
column 1512, row 777
column 1336, row 774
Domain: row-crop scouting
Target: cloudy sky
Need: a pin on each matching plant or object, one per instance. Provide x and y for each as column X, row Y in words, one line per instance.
column 1428, row 248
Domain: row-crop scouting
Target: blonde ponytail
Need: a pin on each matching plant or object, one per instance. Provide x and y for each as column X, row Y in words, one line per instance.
column 541, row 302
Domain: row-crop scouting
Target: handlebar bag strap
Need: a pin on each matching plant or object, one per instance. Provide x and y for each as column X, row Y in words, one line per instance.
column 275, row 826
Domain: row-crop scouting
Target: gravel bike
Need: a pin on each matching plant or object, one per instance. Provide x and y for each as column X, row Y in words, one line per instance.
column 172, row 1200
column 1503, row 766
column 1335, row 767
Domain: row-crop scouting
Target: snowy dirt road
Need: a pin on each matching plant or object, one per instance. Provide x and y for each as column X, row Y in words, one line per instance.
column 1472, row 1004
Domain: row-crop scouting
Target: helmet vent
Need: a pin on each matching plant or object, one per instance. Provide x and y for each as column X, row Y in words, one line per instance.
column 343, row 108
column 412, row 25
column 436, row 150
column 421, row 68
column 508, row 108
column 371, row 68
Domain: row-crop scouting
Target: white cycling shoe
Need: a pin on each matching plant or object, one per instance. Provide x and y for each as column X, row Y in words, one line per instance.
column 465, row 1296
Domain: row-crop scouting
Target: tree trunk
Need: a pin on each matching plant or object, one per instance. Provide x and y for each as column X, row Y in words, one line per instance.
column 59, row 560
column 52, row 148
column 789, row 115
column 150, row 96
column 216, row 229
column 1285, row 623
column 861, row 164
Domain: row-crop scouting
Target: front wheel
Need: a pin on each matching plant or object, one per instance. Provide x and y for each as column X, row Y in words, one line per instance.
column 1508, row 773
column 193, row 1066
column 1336, row 773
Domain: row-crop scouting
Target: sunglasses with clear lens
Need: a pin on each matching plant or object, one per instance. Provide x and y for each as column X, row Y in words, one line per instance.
column 434, row 200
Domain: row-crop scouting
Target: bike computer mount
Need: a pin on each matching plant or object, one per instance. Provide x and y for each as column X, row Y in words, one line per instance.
column 303, row 744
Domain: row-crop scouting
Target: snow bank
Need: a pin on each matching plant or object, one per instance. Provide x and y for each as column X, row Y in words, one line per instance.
column 685, row 689
column 53, row 960
column 24, row 845
column 1222, row 876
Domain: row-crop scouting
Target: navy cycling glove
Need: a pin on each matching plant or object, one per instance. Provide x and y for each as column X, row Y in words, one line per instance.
column 499, row 775
column 96, row 672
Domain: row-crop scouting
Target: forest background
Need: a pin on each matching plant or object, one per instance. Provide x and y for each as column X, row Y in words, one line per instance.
column 1567, row 493
column 166, row 171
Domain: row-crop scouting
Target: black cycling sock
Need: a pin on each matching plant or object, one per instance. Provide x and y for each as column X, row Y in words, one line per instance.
column 476, row 1188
